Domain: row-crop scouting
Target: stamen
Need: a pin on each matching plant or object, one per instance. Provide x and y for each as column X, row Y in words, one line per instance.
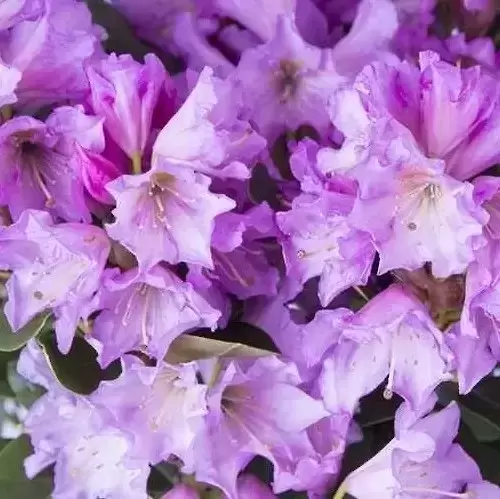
column 230, row 270
column 144, row 322
column 50, row 201
column 388, row 391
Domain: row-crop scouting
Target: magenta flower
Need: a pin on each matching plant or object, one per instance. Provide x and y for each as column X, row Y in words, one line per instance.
column 50, row 50
column 41, row 166
column 10, row 78
column 125, row 93
column 146, row 311
column 160, row 216
column 208, row 134
column 54, row 267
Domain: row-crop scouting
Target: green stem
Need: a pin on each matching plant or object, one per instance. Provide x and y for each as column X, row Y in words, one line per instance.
column 136, row 163
column 341, row 492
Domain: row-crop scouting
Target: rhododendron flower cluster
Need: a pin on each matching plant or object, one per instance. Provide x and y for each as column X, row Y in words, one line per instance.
column 223, row 252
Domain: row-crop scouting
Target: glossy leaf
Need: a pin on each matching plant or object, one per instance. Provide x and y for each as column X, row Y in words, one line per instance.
column 11, row 341
column 188, row 347
column 13, row 482
column 79, row 370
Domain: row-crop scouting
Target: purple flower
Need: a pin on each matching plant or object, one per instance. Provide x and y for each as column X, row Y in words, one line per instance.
column 286, row 83
column 303, row 344
column 160, row 216
column 318, row 241
column 163, row 406
column 238, row 252
column 208, row 134
column 181, row 491
column 92, row 458
column 420, row 461
column 418, row 214
column 125, row 93
column 50, row 50
column 146, row 311
column 392, row 335
column 54, row 267
column 246, row 419
column 41, row 167
column 15, row 11
column 250, row 487
column 10, row 78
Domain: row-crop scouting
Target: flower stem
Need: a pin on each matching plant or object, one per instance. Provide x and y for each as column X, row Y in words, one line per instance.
column 136, row 163
column 341, row 492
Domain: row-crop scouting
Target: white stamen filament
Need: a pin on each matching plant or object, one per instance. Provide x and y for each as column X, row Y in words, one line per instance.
column 388, row 391
column 230, row 270
column 50, row 201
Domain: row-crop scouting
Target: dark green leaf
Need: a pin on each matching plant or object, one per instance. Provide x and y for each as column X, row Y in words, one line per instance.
column 79, row 370
column 13, row 482
column 482, row 417
column 10, row 341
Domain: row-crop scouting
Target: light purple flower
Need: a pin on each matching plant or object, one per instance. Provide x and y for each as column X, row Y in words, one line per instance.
column 9, row 79
column 41, row 167
column 162, row 406
column 50, row 51
column 146, row 311
column 286, row 83
column 239, row 252
column 92, row 458
column 181, row 491
column 303, row 344
column 54, row 267
column 249, row 487
column 418, row 214
column 318, row 241
column 392, row 335
column 420, row 461
column 246, row 418
column 160, row 216
column 125, row 93
column 208, row 134
column 15, row 11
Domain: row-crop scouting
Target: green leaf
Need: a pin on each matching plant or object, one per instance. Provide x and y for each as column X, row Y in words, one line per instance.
column 484, row 429
column 78, row 370
column 13, row 482
column 10, row 341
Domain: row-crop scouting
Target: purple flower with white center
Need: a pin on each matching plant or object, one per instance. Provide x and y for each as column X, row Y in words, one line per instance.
column 125, row 93
column 92, row 458
column 418, row 214
column 162, row 217
column 392, row 335
column 286, row 83
column 163, row 406
column 54, row 267
column 421, row 461
column 318, row 241
column 208, row 134
column 50, row 50
column 246, row 419
column 41, row 168
column 146, row 311
column 239, row 252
